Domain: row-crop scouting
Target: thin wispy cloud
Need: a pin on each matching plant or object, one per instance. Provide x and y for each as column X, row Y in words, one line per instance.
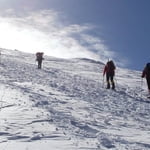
column 45, row 31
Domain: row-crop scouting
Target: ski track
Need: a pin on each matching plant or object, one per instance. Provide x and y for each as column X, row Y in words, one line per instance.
column 65, row 104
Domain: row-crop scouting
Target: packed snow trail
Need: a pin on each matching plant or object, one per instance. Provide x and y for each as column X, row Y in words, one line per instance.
column 65, row 106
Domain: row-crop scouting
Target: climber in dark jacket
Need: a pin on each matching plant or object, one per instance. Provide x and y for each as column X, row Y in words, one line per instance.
column 39, row 59
column 109, row 70
column 146, row 74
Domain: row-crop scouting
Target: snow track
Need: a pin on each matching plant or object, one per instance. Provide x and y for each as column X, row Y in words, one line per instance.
column 64, row 106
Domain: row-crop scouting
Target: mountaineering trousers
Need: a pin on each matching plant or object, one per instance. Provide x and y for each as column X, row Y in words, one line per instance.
column 39, row 64
column 148, row 82
column 110, row 77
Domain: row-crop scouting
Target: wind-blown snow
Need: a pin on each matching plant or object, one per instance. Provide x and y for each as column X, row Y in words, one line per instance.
column 65, row 106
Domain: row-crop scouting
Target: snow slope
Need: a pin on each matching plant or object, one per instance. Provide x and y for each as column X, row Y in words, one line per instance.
column 64, row 106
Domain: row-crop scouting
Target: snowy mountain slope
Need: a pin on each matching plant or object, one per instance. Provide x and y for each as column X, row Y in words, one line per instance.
column 65, row 106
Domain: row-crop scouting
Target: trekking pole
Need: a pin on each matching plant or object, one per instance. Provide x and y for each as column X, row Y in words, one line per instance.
column 103, row 83
column 0, row 56
column 115, row 81
column 141, row 83
column 141, row 86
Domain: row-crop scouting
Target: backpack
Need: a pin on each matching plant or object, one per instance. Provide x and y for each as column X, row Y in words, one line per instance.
column 148, row 68
column 111, row 66
column 39, row 56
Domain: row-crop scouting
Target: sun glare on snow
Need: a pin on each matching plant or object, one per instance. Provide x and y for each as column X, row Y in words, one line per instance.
column 13, row 37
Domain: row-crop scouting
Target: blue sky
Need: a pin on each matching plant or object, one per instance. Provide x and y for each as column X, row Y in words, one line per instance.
column 98, row 29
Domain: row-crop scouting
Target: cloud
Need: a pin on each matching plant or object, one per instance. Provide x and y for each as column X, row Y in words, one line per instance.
column 45, row 31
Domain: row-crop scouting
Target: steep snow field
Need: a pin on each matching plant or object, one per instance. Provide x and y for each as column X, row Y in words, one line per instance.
column 65, row 106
